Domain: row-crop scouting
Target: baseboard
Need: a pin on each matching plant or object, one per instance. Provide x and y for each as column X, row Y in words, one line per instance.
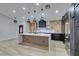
column 9, row 38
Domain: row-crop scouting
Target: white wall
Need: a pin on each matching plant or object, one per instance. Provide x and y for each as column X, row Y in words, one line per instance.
column 8, row 29
column 26, row 27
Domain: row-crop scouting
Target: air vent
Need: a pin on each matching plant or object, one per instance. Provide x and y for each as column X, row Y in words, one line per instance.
column 47, row 6
column 34, row 11
column 15, row 21
column 28, row 20
column 41, row 9
column 28, row 12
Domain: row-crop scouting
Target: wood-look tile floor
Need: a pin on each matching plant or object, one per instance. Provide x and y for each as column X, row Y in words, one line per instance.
column 12, row 48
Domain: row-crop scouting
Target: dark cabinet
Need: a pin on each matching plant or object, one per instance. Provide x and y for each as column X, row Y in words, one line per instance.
column 58, row 36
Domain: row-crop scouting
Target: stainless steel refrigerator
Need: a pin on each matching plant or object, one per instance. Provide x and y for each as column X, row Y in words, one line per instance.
column 72, row 27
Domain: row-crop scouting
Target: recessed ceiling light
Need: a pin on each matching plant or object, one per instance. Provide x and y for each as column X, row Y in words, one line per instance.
column 57, row 11
column 37, row 4
column 14, row 11
column 31, row 15
column 23, row 8
column 23, row 17
column 42, row 14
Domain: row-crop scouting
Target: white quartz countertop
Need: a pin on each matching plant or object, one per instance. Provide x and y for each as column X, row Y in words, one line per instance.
column 36, row 34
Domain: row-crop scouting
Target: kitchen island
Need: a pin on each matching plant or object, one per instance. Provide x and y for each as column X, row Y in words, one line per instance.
column 38, row 40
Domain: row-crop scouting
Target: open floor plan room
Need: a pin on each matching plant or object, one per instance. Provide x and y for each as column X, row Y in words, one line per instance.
column 39, row 29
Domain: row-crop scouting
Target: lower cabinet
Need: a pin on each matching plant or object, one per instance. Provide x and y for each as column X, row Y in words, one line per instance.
column 38, row 40
column 58, row 36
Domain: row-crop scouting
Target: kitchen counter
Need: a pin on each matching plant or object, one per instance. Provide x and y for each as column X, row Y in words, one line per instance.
column 36, row 40
column 36, row 34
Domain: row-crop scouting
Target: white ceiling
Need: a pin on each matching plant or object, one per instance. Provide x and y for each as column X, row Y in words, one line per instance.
column 50, row 14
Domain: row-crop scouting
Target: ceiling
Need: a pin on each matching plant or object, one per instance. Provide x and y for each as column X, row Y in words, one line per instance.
column 49, row 14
